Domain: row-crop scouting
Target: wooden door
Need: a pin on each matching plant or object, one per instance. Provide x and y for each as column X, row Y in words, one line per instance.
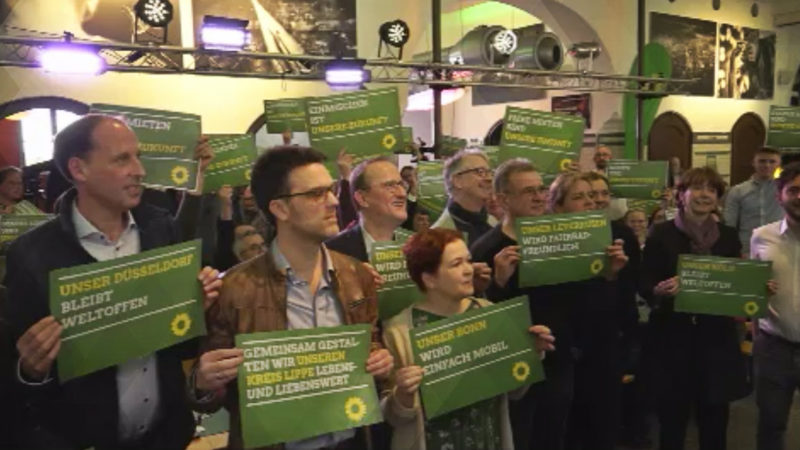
column 747, row 136
column 670, row 136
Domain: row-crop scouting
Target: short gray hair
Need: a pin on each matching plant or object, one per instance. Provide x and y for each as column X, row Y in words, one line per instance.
column 503, row 173
column 453, row 164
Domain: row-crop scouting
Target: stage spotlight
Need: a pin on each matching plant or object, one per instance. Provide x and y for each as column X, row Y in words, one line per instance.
column 346, row 74
column 71, row 59
column 222, row 33
column 394, row 34
column 156, row 13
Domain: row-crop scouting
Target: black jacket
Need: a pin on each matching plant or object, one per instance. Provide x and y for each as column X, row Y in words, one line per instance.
column 692, row 349
column 83, row 412
column 350, row 242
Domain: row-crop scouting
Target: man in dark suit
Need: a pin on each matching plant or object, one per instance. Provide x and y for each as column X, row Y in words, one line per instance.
column 140, row 403
column 379, row 196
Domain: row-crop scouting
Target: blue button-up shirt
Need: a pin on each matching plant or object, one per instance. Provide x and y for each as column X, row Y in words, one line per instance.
column 749, row 205
column 306, row 309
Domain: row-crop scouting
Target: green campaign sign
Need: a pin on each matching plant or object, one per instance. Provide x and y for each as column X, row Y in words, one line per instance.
column 551, row 141
column 432, row 194
column 451, row 145
column 648, row 206
column 493, row 153
column 476, row 355
column 722, row 286
column 628, row 178
column 365, row 123
column 12, row 226
column 167, row 141
column 232, row 163
column 408, row 135
column 124, row 308
column 784, row 127
column 285, row 114
column 398, row 291
column 559, row 248
column 318, row 374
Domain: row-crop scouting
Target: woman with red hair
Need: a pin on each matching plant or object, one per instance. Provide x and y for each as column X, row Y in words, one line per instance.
column 440, row 264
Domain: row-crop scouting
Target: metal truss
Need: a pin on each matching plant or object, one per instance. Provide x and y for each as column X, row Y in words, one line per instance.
column 21, row 51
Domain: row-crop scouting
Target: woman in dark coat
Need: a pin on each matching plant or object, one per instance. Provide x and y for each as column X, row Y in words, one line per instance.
column 700, row 365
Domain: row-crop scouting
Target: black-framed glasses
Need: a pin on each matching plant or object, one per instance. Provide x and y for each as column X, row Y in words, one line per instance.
column 392, row 185
column 317, row 194
column 482, row 172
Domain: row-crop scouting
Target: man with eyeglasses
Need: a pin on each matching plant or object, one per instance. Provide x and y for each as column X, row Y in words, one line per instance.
column 298, row 284
column 379, row 195
column 248, row 244
column 521, row 193
column 468, row 181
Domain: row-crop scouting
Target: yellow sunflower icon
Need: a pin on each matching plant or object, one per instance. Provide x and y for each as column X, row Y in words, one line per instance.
column 355, row 409
column 179, row 175
column 751, row 308
column 655, row 193
column 247, row 174
column 596, row 266
column 565, row 164
column 389, row 141
column 180, row 324
column 521, row 370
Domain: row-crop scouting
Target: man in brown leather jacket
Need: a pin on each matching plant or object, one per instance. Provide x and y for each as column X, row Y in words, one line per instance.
column 298, row 283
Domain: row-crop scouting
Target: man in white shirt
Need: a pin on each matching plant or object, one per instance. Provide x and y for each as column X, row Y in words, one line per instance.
column 136, row 404
column 777, row 342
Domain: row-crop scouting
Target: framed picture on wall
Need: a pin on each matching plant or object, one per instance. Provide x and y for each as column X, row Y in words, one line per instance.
column 576, row 105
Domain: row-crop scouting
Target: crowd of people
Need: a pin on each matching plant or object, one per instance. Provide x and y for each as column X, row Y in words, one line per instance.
column 291, row 251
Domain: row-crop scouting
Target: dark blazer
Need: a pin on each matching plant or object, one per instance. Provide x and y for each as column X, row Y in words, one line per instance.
column 691, row 349
column 83, row 412
column 350, row 242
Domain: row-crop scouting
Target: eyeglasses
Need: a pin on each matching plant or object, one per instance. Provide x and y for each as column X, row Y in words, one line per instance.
column 533, row 190
column 317, row 194
column 480, row 171
column 392, row 185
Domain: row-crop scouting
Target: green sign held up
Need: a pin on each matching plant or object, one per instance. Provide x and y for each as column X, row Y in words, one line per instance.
column 318, row 374
column 124, row 308
column 551, row 141
column 559, row 248
column 722, row 286
column 12, row 226
column 287, row 114
column 398, row 291
column 233, row 161
column 365, row 123
column 784, row 127
column 476, row 355
column 432, row 194
column 167, row 141
column 637, row 179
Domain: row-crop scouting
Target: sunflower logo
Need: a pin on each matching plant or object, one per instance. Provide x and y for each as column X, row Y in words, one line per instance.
column 521, row 370
column 355, row 409
column 247, row 174
column 180, row 324
column 751, row 308
column 655, row 193
column 389, row 141
column 565, row 164
column 596, row 266
column 179, row 175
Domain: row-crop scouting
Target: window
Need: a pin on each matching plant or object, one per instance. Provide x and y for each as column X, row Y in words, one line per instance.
column 39, row 126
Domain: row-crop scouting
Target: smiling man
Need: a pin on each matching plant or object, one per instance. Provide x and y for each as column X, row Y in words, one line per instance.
column 468, row 180
column 379, row 196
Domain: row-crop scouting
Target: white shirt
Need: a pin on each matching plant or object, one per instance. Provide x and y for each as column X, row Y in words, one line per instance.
column 777, row 243
column 137, row 379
